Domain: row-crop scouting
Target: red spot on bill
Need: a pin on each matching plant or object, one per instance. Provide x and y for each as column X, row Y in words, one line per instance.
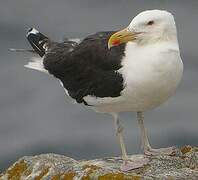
column 116, row 42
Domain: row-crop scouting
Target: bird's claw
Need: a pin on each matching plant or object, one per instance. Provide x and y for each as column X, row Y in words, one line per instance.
column 129, row 165
column 161, row 151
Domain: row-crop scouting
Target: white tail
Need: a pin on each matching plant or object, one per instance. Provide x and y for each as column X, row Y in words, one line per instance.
column 36, row 63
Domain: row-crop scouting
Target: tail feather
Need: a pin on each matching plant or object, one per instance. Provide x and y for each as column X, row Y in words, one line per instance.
column 37, row 41
column 36, row 63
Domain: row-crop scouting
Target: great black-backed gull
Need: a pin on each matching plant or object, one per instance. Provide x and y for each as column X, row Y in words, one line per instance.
column 135, row 69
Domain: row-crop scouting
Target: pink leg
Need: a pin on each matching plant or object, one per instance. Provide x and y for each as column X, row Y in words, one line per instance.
column 128, row 164
column 145, row 142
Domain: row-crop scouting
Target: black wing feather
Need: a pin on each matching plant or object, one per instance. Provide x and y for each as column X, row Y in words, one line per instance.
column 88, row 68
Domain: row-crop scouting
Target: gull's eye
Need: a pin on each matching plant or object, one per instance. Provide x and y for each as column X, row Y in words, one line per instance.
column 150, row 23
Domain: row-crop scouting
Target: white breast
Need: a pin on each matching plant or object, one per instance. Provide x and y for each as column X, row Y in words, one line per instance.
column 151, row 75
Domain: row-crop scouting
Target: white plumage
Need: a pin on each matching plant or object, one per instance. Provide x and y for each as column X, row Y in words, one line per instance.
column 151, row 70
column 151, row 75
column 36, row 63
column 152, row 66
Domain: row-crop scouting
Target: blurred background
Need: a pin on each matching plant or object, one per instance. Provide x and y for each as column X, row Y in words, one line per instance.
column 36, row 116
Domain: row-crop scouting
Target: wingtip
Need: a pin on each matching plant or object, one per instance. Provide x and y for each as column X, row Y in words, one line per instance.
column 32, row 30
column 29, row 29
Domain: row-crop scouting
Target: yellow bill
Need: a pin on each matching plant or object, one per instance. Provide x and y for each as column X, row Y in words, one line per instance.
column 121, row 37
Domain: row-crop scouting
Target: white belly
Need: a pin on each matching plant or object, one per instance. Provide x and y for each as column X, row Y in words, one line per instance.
column 149, row 82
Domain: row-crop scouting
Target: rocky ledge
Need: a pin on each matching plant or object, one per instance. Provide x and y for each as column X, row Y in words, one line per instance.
column 182, row 165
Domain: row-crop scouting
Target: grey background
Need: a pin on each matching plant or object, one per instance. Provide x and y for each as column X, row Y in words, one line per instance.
column 36, row 116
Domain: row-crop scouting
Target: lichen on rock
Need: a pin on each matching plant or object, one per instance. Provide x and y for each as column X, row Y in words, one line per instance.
column 182, row 166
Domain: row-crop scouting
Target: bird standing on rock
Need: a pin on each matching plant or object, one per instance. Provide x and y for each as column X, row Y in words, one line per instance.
column 135, row 69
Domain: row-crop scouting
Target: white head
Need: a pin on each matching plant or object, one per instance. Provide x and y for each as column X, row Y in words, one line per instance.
column 147, row 27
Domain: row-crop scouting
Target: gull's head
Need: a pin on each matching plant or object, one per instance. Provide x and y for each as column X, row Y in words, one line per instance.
column 147, row 27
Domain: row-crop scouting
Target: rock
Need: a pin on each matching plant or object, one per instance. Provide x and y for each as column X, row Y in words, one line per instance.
column 182, row 166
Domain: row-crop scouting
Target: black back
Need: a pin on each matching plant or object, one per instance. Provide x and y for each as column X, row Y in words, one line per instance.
column 88, row 68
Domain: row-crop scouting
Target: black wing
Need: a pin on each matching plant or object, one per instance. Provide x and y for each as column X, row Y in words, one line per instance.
column 88, row 68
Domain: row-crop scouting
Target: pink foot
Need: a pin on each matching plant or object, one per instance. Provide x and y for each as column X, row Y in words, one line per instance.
column 161, row 151
column 134, row 164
